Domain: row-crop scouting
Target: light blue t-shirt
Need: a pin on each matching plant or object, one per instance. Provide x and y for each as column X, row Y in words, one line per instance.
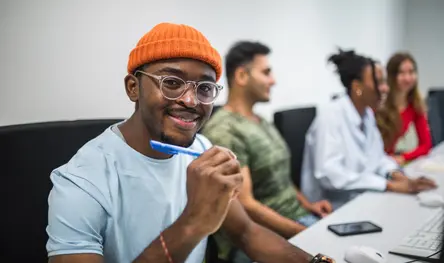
column 111, row 200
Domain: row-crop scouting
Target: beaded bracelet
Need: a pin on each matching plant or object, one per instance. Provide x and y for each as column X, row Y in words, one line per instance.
column 165, row 249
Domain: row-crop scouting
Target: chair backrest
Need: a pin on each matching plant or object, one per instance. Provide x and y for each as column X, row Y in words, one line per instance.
column 30, row 153
column 435, row 102
column 293, row 125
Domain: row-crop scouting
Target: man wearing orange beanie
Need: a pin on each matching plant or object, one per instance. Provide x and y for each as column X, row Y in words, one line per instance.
column 119, row 200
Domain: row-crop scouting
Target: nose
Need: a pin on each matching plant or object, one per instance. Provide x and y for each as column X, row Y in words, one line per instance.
column 384, row 88
column 189, row 98
column 272, row 80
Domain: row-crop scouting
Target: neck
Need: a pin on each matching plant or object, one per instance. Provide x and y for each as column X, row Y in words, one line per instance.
column 401, row 100
column 360, row 107
column 240, row 104
column 137, row 137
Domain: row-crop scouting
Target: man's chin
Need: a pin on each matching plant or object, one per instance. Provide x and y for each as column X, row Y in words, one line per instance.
column 179, row 140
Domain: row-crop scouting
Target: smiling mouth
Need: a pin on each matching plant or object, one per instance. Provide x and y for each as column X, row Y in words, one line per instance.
column 184, row 120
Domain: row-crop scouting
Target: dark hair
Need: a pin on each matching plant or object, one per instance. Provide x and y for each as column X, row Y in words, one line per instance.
column 350, row 66
column 241, row 53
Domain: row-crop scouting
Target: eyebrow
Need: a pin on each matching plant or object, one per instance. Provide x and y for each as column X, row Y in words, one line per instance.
column 178, row 72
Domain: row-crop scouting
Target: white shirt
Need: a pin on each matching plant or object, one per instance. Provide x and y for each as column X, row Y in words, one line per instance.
column 340, row 159
column 111, row 200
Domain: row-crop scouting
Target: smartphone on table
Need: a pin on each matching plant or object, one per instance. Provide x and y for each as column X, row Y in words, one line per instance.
column 354, row 228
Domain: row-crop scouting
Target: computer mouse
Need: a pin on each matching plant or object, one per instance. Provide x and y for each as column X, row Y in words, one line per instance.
column 430, row 199
column 363, row 254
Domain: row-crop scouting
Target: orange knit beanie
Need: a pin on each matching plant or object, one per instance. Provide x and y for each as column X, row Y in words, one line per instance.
column 167, row 40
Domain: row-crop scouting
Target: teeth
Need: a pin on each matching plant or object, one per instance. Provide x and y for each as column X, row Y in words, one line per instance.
column 186, row 120
column 183, row 119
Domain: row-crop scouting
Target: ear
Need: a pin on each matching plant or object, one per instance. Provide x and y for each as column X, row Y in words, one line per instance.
column 132, row 87
column 356, row 85
column 241, row 76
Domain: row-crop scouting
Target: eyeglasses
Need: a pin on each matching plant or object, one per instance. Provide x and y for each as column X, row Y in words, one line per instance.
column 173, row 87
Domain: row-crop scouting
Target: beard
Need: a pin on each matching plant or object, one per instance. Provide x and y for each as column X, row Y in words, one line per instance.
column 171, row 140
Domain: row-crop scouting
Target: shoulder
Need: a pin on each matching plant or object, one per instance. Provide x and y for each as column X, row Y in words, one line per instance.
column 410, row 113
column 89, row 169
column 96, row 152
column 332, row 107
column 332, row 112
column 223, row 125
column 222, row 119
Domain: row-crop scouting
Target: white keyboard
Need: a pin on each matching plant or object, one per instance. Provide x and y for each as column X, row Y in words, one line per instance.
column 426, row 240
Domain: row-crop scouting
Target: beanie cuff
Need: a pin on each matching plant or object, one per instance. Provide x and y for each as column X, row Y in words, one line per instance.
column 175, row 48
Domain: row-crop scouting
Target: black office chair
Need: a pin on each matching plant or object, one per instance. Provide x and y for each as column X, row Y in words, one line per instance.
column 29, row 153
column 435, row 102
column 293, row 125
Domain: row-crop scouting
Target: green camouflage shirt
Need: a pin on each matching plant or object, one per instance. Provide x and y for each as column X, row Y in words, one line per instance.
column 260, row 147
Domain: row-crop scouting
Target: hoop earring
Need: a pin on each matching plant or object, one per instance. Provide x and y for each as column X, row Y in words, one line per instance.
column 359, row 92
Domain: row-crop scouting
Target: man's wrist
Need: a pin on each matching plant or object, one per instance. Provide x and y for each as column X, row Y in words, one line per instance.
column 189, row 228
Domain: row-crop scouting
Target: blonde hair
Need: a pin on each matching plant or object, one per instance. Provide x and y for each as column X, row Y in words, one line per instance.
column 387, row 117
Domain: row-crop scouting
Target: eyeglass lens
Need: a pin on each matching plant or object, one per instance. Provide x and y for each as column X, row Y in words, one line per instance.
column 173, row 88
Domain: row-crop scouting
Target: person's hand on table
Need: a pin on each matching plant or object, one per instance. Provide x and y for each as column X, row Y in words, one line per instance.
column 422, row 184
column 402, row 184
column 321, row 208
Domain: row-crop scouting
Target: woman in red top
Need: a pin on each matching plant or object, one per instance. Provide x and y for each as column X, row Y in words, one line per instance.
column 403, row 106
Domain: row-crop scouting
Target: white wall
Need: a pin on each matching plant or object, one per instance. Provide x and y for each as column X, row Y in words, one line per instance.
column 425, row 39
column 63, row 59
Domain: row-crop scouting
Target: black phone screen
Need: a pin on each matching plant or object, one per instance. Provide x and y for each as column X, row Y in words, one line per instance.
column 354, row 228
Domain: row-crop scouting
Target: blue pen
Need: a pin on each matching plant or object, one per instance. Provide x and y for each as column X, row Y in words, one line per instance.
column 172, row 149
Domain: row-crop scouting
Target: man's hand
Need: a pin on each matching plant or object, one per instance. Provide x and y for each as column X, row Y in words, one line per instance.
column 213, row 181
column 402, row 184
column 321, row 208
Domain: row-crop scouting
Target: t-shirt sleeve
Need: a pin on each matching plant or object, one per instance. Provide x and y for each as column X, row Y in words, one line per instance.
column 75, row 218
column 235, row 144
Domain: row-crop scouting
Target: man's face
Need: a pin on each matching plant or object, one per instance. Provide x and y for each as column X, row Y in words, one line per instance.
column 174, row 121
column 260, row 79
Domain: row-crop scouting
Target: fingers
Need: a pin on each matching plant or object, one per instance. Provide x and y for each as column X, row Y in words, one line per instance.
column 232, row 183
column 222, row 160
column 425, row 185
column 426, row 181
column 422, row 184
column 216, row 156
column 322, row 214
column 327, row 207
column 229, row 167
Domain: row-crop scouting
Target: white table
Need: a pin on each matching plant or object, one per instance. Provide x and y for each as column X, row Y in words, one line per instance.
column 397, row 214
